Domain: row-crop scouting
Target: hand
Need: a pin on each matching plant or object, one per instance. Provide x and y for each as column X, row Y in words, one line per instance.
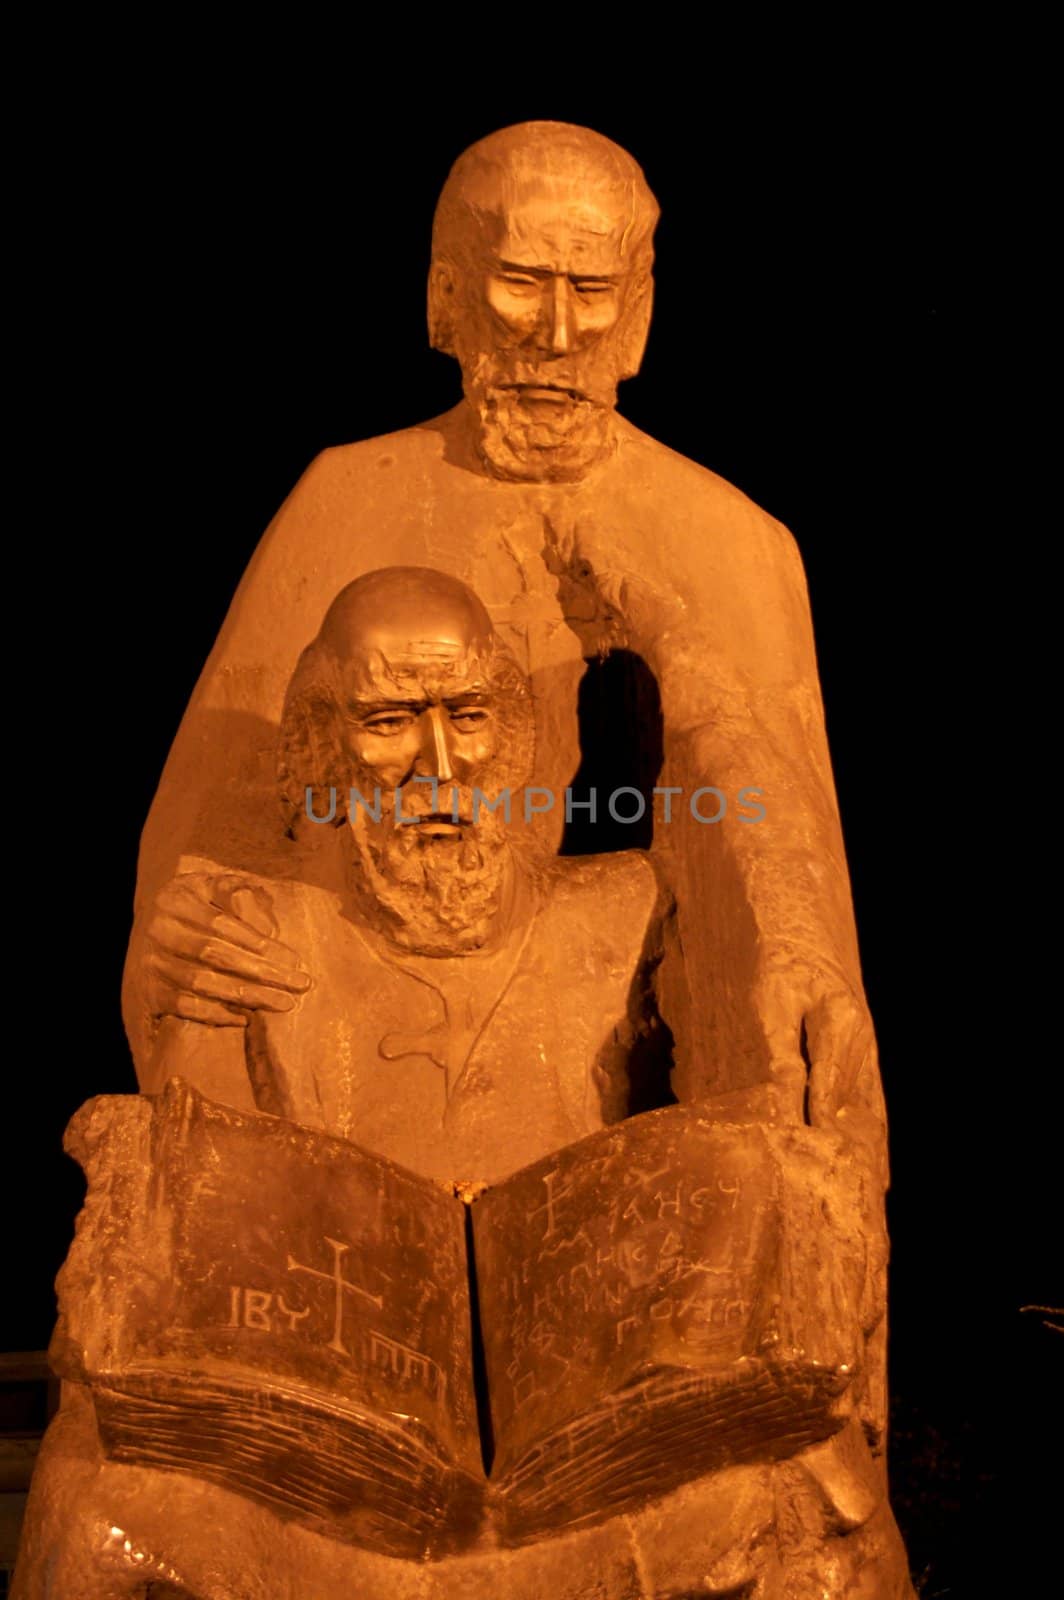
column 824, row 1051
column 213, row 953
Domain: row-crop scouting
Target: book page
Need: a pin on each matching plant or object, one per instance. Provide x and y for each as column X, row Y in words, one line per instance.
column 292, row 1317
column 648, row 1316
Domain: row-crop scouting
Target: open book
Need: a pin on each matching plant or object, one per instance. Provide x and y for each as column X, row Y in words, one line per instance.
column 305, row 1322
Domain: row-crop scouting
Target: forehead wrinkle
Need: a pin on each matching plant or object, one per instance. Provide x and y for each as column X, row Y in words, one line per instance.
column 558, row 250
column 421, row 649
column 364, row 705
column 499, row 199
column 415, row 678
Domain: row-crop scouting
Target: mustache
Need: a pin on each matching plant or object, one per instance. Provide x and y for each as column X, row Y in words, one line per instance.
column 502, row 374
column 511, row 391
column 534, row 379
column 424, row 802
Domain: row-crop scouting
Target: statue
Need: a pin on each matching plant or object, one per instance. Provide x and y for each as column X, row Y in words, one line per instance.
column 677, row 1390
column 673, row 1386
column 584, row 538
column 521, row 989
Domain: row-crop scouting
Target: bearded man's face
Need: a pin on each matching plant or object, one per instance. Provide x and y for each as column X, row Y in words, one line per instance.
column 549, row 313
column 432, row 886
column 432, row 867
column 426, row 726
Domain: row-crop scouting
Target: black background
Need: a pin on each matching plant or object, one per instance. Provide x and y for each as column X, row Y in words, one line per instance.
column 231, row 272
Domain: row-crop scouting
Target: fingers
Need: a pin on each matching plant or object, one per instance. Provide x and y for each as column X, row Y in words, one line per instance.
column 182, row 979
column 822, row 1045
column 217, row 951
column 214, row 955
column 830, row 1077
column 225, row 925
column 192, row 1008
column 249, row 903
column 189, row 900
column 841, row 1045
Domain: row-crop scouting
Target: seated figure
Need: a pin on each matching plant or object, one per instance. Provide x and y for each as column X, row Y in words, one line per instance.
column 469, row 1009
column 468, row 1013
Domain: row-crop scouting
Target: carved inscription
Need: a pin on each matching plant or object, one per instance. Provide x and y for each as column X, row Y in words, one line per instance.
column 340, row 1287
column 552, row 1200
column 267, row 1312
column 400, row 1361
column 270, row 1313
column 254, row 1308
column 652, row 1237
column 318, row 1275
column 651, row 1246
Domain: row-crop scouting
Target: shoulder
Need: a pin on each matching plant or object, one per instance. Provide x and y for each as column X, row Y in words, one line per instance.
column 684, row 491
column 355, row 506
column 423, row 445
column 600, row 917
column 640, row 453
column 620, row 890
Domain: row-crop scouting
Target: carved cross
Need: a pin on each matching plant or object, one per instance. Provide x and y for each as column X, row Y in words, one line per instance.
column 340, row 1283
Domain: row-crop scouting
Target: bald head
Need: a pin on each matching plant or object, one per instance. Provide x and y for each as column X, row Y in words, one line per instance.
column 406, row 677
column 407, row 616
column 572, row 176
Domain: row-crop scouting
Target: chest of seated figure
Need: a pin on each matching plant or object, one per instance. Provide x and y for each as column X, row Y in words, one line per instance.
column 462, row 1069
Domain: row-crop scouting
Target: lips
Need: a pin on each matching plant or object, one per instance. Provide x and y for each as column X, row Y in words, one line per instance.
column 553, row 394
column 550, row 395
column 443, row 826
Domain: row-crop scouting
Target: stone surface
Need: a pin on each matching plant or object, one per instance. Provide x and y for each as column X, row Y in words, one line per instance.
column 276, row 1310
column 653, row 1309
column 648, row 1304
column 541, row 285
column 417, row 1281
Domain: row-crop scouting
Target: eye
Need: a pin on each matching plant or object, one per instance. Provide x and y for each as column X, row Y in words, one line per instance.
column 387, row 722
column 593, row 288
column 519, row 280
column 467, row 719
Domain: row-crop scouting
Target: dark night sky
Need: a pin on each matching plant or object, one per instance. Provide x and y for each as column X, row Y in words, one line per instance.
column 230, row 293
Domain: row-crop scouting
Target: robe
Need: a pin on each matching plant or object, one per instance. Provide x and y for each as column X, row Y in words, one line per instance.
column 649, row 556
column 462, row 1069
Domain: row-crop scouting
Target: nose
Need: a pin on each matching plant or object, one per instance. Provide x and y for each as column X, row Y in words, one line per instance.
column 434, row 757
column 559, row 333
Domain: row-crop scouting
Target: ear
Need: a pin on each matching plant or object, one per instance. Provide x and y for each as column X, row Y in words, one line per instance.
column 441, row 298
column 637, row 325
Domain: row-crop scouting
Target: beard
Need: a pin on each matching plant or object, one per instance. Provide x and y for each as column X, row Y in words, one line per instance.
column 545, row 442
column 432, row 895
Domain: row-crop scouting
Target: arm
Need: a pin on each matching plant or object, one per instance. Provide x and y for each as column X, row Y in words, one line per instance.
column 216, row 805
column 765, row 916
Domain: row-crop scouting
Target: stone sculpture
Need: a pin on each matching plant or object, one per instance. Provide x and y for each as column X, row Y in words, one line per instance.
column 506, row 995
column 419, row 1048
column 582, row 536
